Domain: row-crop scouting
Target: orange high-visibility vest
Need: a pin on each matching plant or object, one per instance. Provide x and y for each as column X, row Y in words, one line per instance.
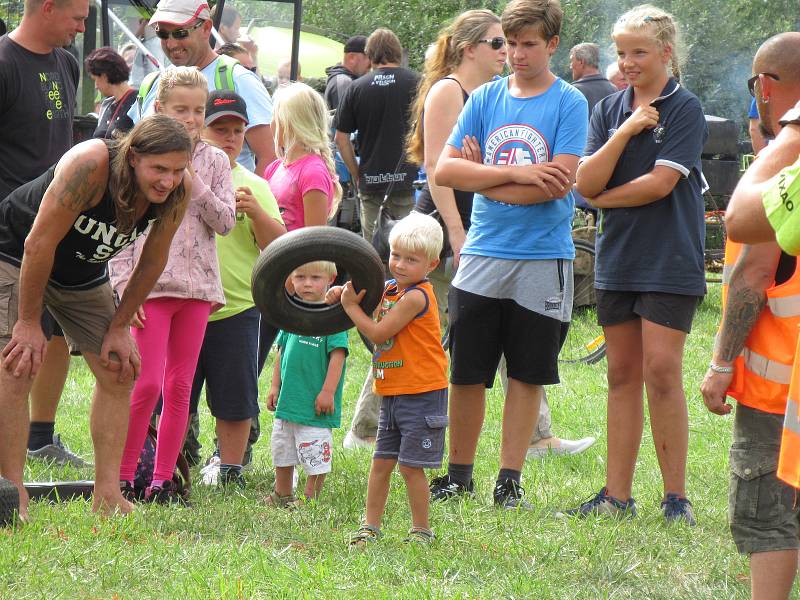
column 763, row 370
column 789, row 459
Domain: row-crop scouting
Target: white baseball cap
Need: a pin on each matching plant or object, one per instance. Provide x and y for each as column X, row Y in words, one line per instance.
column 180, row 12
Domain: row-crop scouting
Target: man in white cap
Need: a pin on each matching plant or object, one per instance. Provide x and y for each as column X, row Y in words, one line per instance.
column 184, row 27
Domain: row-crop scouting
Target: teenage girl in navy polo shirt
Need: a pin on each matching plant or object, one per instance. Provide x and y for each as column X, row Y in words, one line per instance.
column 642, row 169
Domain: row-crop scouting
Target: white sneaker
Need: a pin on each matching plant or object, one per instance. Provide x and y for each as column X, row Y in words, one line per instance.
column 210, row 473
column 566, row 447
column 352, row 442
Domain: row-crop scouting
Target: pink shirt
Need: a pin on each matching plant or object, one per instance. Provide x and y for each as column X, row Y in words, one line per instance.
column 290, row 182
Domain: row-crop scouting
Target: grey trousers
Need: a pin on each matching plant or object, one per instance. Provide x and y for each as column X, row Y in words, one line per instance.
column 399, row 205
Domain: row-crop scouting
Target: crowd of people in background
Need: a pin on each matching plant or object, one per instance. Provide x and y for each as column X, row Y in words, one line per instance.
column 198, row 167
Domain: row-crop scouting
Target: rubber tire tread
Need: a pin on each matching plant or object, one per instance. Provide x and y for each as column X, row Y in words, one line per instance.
column 348, row 250
column 9, row 502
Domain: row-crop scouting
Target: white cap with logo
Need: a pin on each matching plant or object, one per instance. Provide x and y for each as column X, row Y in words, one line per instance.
column 180, row 12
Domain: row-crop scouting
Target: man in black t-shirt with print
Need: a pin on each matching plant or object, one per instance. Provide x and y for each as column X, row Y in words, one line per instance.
column 38, row 85
column 377, row 107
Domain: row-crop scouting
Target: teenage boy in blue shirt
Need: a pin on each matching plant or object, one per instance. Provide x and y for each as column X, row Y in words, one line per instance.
column 512, row 293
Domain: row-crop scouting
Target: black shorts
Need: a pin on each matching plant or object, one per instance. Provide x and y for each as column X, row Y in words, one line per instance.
column 482, row 329
column 228, row 365
column 675, row 311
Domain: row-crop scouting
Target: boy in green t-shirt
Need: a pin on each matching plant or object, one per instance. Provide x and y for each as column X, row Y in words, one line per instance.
column 306, row 394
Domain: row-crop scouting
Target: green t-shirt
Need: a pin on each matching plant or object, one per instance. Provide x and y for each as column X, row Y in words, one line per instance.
column 237, row 252
column 304, row 365
column 782, row 205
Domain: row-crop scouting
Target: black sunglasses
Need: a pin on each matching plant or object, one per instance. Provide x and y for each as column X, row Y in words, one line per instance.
column 495, row 43
column 178, row 34
column 751, row 83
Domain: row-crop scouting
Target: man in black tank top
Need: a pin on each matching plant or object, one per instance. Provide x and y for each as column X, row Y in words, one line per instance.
column 56, row 234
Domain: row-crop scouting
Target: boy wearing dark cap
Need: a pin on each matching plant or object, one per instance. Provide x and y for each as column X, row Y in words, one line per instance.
column 228, row 362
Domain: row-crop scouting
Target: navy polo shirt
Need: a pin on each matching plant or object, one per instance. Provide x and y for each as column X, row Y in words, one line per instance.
column 657, row 247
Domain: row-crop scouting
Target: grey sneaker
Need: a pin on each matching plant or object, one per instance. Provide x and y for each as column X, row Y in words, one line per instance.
column 678, row 509
column 58, row 454
column 509, row 494
column 602, row 504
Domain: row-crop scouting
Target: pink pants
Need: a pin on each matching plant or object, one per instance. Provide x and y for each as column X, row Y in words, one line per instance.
column 169, row 346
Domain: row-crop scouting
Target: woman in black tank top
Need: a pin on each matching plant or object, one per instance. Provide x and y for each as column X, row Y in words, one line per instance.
column 467, row 54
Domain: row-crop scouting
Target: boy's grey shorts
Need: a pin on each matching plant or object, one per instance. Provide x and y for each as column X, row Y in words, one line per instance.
column 411, row 429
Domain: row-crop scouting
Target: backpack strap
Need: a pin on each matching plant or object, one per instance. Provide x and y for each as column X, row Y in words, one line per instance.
column 223, row 74
column 144, row 89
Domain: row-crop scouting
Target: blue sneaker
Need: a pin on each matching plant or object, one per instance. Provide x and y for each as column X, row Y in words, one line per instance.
column 602, row 504
column 677, row 508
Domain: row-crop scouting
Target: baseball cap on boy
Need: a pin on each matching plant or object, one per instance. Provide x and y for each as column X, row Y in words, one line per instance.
column 224, row 103
column 180, row 12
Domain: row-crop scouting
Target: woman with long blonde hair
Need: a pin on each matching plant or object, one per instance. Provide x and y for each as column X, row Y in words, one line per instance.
column 303, row 178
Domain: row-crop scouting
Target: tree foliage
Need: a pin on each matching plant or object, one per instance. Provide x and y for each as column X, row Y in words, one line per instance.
column 720, row 36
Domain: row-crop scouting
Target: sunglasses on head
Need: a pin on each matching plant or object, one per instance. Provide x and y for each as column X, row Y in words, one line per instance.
column 178, row 34
column 495, row 43
column 751, row 83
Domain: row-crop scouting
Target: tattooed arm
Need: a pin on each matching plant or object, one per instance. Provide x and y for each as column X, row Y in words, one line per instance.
column 79, row 181
column 752, row 274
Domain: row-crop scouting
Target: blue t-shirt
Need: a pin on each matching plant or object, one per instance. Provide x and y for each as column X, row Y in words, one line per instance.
column 657, row 247
column 246, row 83
column 520, row 131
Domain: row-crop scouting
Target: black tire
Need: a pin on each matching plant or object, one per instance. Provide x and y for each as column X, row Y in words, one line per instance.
column 349, row 251
column 9, row 502
column 60, row 491
column 585, row 341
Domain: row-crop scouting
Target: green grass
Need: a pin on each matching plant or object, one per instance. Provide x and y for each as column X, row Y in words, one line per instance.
column 233, row 546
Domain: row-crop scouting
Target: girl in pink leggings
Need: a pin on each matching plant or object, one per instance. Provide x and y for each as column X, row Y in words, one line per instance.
column 172, row 322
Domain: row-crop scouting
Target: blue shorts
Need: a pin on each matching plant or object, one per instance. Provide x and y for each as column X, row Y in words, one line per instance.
column 411, row 429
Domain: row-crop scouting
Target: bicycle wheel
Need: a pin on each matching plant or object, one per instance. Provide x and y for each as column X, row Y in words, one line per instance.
column 585, row 341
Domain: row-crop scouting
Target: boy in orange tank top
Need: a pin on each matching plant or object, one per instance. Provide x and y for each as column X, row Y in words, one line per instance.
column 410, row 369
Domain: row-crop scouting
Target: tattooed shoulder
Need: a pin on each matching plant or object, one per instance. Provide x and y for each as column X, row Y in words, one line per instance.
column 79, row 188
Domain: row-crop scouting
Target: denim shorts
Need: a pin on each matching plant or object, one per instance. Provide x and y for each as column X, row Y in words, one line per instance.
column 763, row 511
column 411, row 429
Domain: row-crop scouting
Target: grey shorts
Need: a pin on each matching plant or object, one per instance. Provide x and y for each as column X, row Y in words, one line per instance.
column 83, row 315
column 762, row 510
column 411, row 429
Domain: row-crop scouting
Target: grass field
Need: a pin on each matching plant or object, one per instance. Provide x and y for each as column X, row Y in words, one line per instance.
column 233, row 546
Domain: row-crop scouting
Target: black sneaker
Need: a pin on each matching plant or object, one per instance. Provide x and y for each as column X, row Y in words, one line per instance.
column 166, row 494
column 129, row 492
column 602, row 504
column 444, row 488
column 509, row 494
column 232, row 478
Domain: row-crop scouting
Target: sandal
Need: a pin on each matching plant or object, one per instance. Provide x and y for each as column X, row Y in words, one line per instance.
column 420, row 536
column 290, row 501
column 366, row 534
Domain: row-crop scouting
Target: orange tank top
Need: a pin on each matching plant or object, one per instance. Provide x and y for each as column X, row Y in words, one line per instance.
column 413, row 361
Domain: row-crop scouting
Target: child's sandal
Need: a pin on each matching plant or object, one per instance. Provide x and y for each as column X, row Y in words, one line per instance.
column 366, row 534
column 420, row 536
column 278, row 501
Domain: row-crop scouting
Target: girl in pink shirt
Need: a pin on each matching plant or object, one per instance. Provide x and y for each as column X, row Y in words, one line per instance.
column 172, row 322
column 303, row 179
